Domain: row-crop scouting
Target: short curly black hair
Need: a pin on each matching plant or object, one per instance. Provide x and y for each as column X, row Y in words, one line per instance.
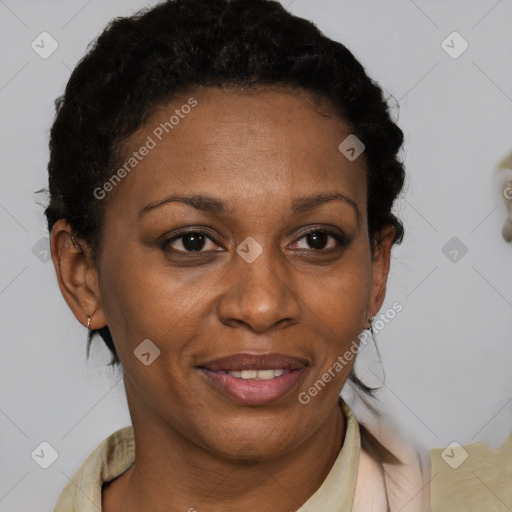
column 146, row 60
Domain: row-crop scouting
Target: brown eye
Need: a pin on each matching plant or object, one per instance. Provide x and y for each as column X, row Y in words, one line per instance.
column 191, row 241
column 321, row 240
column 317, row 239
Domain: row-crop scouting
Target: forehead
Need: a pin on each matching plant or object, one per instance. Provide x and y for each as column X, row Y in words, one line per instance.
column 257, row 145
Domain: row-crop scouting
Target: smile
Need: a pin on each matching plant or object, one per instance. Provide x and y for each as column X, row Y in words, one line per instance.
column 257, row 374
column 253, row 387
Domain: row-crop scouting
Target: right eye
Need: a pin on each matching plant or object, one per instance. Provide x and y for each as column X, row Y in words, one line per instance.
column 189, row 242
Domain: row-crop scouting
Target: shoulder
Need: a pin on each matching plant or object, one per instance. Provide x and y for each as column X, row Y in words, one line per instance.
column 472, row 477
column 113, row 456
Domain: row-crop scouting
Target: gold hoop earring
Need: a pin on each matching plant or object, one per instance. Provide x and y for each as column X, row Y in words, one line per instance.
column 88, row 321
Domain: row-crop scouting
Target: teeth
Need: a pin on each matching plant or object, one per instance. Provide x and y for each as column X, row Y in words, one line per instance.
column 249, row 374
column 266, row 374
column 257, row 374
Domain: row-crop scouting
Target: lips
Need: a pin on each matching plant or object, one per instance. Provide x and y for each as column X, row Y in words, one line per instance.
column 248, row 361
column 254, row 379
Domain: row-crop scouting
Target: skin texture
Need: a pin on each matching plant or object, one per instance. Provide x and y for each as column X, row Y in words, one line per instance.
column 257, row 151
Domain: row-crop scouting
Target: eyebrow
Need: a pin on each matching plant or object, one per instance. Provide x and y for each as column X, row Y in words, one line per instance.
column 216, row 206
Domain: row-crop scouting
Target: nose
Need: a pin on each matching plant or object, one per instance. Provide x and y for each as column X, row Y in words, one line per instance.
column 260, row 295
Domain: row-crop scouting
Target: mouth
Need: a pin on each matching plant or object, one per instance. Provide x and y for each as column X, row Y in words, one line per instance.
column 267, row 374
column 254, row 379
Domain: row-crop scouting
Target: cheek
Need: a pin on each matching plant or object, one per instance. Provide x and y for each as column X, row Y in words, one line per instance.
column 341, row 294
column 140, row 301
column 337, row 312
column 338, row 304
column 148, row 299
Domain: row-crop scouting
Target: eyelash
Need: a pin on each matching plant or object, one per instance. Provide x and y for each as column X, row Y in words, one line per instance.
column 342, row 241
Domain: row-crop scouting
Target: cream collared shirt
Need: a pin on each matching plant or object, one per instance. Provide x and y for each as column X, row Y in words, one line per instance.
column 355, row 483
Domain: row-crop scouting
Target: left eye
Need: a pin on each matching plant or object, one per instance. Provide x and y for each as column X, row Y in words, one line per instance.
column 318, row 239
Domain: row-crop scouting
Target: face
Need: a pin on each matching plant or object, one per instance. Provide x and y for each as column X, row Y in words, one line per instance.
column 265, row 258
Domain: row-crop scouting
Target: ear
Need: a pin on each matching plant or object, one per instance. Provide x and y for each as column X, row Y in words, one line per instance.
column 380, row 263
column 77, row 275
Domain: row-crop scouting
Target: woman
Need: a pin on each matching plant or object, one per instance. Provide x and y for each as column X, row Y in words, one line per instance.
column 222, row 177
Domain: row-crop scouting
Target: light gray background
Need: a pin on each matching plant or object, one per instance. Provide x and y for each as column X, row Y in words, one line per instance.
column 447, row 355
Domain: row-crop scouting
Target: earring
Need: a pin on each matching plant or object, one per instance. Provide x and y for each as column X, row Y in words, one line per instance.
column 88, row 321
column 75, row 243
column 370, row 320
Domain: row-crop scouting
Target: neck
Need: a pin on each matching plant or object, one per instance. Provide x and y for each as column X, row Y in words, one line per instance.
column 172, row 474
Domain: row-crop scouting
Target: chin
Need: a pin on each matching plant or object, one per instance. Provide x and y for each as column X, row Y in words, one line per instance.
column 252, row 444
